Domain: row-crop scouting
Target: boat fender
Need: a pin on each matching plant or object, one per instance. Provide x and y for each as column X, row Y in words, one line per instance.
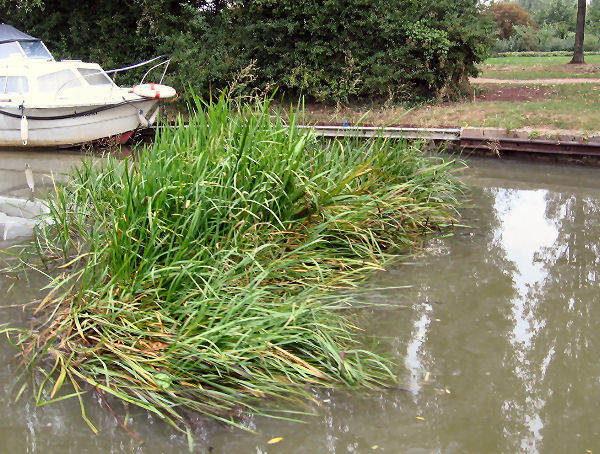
column 24, row 129
column 156, row 91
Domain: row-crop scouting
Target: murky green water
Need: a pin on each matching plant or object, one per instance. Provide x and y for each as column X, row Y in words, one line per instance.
column 497, row 343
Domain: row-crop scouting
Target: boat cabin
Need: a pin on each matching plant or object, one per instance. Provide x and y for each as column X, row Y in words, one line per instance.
column 28, row 68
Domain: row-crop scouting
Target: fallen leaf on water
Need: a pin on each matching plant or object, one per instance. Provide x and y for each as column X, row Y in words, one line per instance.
column 374, row 446
column 272, row 441
column 420, row 418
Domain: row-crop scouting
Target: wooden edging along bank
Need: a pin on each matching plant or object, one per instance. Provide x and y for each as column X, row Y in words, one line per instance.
column 575, row 147
column 492, row 141
column 496, row 141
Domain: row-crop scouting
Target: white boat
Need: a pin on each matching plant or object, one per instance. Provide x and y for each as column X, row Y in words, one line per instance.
column 48, row 103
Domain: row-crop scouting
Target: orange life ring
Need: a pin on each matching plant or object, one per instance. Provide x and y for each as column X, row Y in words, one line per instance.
column 156, row 91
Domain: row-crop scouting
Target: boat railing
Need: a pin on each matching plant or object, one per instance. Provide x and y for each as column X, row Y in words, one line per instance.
column 164, row 62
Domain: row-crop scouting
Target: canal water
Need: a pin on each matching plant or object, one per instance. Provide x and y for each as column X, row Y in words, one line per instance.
column 496, row 341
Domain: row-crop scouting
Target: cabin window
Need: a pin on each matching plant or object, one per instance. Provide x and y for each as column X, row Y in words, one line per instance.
column 58, row 80
column 6, row 49
column 13, row 84
column 35, row 49
column 94, row 76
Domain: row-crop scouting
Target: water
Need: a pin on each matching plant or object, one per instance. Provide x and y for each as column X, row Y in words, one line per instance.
column 46, row 166
column 497, row 343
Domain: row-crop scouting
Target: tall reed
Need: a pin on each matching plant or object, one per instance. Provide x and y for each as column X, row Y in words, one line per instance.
column 205, row 274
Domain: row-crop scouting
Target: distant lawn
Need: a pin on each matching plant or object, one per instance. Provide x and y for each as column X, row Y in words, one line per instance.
column 552, row 67
column 571, row 106
column 534, row 61
column 547, row 72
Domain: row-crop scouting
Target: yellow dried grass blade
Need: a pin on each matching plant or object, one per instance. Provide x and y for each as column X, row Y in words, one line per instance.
column 300, row 361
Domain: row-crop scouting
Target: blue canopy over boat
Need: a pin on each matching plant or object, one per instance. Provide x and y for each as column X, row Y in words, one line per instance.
column 9, row 33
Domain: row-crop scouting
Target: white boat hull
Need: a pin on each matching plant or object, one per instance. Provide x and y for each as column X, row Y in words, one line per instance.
column 70, row 131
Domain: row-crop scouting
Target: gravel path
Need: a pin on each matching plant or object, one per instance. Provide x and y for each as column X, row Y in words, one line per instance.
column 481, row 80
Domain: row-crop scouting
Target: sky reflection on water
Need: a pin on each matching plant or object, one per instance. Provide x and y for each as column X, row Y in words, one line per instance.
column 523, row 232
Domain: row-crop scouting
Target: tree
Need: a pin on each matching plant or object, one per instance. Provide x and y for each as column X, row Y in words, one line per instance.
column 531, row 5
column 507, row 15
column 559, row 15
column 579, row 32
column 592, row 16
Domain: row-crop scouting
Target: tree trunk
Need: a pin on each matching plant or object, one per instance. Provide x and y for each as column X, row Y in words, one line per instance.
column 579, row 29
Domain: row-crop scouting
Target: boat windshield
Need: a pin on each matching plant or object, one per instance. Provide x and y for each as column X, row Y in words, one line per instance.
column 35, row 49
column 8, row 49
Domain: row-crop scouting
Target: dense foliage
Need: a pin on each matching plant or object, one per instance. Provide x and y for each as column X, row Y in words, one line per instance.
column 330, row 50
column 593, row 17
column 555, row 29
column 216, row 268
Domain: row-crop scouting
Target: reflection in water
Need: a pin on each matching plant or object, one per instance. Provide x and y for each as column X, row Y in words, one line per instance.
column 497, row 344
column 47, row 166
column 413, row 361
column 523, row 233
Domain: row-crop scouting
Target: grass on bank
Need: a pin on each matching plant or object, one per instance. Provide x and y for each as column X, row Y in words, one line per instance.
column 540, row 72
column 567, row 106
column 528, row 61
column 208, row 274
column 527, row 68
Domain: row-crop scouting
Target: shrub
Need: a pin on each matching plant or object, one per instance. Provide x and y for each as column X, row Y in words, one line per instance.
column 330, row 51
column 544, row 39
column 525, row 38
column 591, row 42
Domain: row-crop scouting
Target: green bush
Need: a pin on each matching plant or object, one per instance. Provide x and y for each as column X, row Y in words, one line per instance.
column 558, row 44
column 546, row 39
column 591, row 42
column 331, row 51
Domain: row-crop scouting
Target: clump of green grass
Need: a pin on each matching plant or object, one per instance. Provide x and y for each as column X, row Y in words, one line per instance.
column 205, row 274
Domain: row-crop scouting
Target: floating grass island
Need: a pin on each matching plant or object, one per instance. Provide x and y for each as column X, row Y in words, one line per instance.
column 209, row 274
